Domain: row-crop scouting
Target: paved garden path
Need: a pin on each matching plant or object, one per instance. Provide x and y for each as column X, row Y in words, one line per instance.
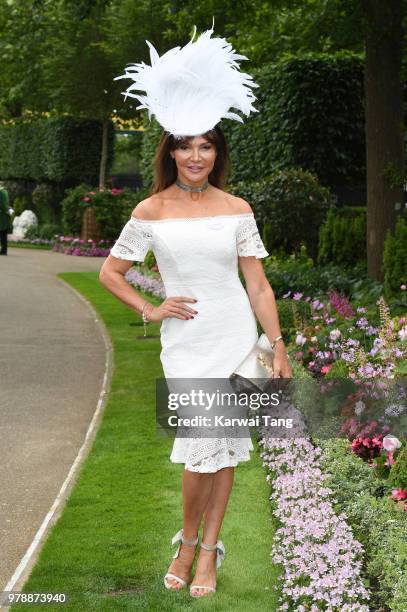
column 52, row 367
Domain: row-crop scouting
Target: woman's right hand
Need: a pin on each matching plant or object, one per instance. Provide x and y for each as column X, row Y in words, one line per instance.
column 171, row 307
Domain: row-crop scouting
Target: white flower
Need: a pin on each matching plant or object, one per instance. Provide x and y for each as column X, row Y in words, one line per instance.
column 335, row 334
column 300, row 339
column 390, row 443
column 403, row 333
column 359, row 407
column 314, row 339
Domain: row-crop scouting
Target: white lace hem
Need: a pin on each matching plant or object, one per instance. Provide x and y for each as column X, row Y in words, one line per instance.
column 212, row 454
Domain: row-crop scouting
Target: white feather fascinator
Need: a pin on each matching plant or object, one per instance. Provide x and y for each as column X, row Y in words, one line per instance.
column 190, row 89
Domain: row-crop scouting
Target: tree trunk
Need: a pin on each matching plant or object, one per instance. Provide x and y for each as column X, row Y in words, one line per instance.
column 103, row 157
column 384, row 125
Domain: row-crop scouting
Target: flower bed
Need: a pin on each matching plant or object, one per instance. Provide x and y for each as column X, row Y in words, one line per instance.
column 147, row 281
column 69, row 245
column 363, row 344
column 322, row 561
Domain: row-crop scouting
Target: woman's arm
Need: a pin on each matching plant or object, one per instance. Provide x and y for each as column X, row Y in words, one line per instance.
column 263, row 301
column 111, row 276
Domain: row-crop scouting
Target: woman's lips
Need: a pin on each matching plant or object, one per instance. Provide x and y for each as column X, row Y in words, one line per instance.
column 195, row 168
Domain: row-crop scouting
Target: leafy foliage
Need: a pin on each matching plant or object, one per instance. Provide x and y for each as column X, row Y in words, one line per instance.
column 342, row 237
column 395, row 258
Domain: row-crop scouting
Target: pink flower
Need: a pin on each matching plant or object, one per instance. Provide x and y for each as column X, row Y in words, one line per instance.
column 325, row 369
column 116, row 191
column 391, row 443
column 389, row 461
column 86, row 199
column 399, row 494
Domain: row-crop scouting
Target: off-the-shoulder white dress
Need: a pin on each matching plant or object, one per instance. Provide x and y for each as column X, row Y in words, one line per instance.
column 198, row 257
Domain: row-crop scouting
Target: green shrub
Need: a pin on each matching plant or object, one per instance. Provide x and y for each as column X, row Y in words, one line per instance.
column 21, row 203
column 296, row 273
column 292, row 314
column 378, row 523
column 342, row 237
column 149, row 260
column 266, row 236
column 294, row 205
column 45, row 232
column 47, row 199
column 112, row 211
column 398, row 472
column 73, row 208
column 395, row 259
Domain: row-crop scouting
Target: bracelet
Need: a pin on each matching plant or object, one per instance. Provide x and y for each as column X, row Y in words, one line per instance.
column 144, row 316
column 276, row 340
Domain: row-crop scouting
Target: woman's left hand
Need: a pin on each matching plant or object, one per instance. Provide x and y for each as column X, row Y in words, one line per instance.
column 281, row 366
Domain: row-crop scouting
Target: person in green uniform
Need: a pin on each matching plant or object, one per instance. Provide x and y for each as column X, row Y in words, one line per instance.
column 6, row 226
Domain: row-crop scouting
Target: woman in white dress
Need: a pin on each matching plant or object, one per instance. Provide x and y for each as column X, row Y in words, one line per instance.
column 199, row 235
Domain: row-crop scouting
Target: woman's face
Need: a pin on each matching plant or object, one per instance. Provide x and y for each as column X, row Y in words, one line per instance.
column 195, row 159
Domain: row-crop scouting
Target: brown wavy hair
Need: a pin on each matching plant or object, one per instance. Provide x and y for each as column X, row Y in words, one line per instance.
column 165, row 168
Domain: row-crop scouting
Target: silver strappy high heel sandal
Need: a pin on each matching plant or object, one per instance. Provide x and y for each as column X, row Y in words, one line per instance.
column 179, row 537
column 220, row 555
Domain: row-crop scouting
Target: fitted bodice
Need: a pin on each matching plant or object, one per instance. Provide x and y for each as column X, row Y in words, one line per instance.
column 196, row 251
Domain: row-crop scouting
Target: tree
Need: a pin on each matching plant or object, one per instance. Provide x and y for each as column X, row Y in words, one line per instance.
column 384, row 125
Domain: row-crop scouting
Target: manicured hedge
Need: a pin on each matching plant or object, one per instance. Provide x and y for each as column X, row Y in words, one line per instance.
column 310, row 116
column 57, row 149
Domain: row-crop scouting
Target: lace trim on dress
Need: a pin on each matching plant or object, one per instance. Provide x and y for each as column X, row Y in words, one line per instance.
column 248, row 239
column 213, row 454
column 134, row 241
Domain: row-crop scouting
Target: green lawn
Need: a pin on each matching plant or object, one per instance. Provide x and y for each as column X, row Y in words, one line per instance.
column 111, row 546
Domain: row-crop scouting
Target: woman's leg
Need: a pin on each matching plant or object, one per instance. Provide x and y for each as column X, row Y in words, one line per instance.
column 196, row 491
column 213, row 516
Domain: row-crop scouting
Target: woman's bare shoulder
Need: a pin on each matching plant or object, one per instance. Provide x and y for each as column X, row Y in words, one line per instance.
column 239, row 205
column 147, row 209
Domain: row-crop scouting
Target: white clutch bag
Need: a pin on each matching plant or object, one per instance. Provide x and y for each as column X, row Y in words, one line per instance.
column 254, row 372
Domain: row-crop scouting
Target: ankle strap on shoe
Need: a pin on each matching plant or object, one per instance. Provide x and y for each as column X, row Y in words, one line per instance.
column 179, row 537
column 220, row 551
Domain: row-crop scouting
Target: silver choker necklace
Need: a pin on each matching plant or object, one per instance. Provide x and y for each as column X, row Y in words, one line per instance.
column 189, row 188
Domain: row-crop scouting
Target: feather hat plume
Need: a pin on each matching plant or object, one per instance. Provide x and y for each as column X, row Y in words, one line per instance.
column 190, row 89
